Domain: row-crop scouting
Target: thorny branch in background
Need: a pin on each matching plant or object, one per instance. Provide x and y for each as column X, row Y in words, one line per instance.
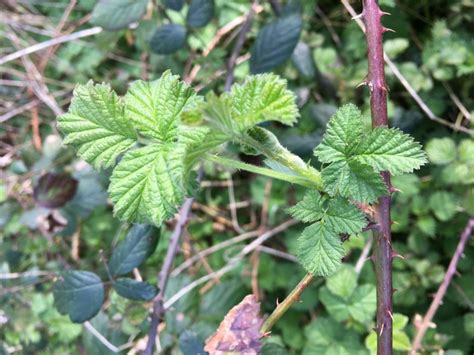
column 423, row 326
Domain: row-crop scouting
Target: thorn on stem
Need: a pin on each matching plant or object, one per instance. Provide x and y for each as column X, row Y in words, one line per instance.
column 383, row 13
column 386, row 29
column 363, row 83
column 266, row 334
column 394, row 290
column 358, row 16
column 390, row 314
column 381, row 329
column 397, row 255
column 393, row 189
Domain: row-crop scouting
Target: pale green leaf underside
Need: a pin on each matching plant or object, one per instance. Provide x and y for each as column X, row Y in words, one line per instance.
column 353, row 180
column 96, row 125
column 320, row 250
column 155, row 107
column 147, row 185
column 263, row 97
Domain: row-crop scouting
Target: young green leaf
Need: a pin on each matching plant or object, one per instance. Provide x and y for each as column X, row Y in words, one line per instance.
column 310, row 209
column 353, row 180
column 155, row 107
column 96, row 125
column 390, row 150
column 147, row 185
column 79, row 294
column 320, row 249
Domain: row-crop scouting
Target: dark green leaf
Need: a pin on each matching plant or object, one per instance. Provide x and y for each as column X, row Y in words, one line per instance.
column 79, row 294
column 303, row 60
column 190, row 343
column 114, row 15
column 200, row 13
column 133, row 250
column 54, row 190
column 135, row 290
column 176, row 5
column 169, row 38
column 275, row 43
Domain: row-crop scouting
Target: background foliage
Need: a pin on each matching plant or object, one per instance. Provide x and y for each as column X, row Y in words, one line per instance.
column 55, row 213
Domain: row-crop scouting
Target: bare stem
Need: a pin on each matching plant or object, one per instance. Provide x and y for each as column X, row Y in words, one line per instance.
column 382, row 250
column 437, row 300
column 281, row 308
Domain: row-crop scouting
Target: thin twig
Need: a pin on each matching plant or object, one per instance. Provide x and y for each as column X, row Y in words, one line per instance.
column 158, row 308
column 100, row 337
column 363, row 256
column 437, row 300
column 51, row 42
column 238, row 45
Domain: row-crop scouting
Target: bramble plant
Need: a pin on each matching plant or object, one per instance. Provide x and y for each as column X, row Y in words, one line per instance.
column 165, row 131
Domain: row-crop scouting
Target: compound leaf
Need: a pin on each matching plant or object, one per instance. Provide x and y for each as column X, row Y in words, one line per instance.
column 147, row 185
column 309, row 209
column 320, row 249
column 353, row 180
column 343, row 217
column 132, row 251
column 96, row 125
column 390, row 150
column 155, row 107
column 79, row 294
column 134, row 290
column 342, row 134
column 114, row 15
column 275, row 43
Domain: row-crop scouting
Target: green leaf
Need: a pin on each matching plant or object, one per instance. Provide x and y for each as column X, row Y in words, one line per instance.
column 390, row 150
column 275, row 43
column 353, row 180
column 309, row 209
column 444, row 205
column 79, row 294
column 200, row 12
column 134, row 290
column 114, row 15
column 175, row 5
column 168, row 39
column 155, row 107
column 262, row 98
column 343, row 282
column 441, row 151
column 190, row 343
column 147, row 185
column 96, row 124
column 320, row 249
column 303, row 60
column 327, row 337
column 342, row 134
column 343, row 217
column 132, row 251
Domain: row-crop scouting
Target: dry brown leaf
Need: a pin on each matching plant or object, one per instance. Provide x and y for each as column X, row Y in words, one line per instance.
column 239, row 332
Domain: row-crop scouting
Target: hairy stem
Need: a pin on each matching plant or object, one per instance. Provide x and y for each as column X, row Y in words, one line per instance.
column 382, row 254
column 235, row 164
column 281, row 308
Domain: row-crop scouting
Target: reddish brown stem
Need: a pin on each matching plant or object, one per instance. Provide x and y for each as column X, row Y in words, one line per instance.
column 382, row 254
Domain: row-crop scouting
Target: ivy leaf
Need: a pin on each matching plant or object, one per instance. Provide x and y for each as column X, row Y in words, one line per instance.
column 390, row 150
column 262, row 98
column 79, row 294
column 353, row 180
column 96, row 124
column 134, row 290
column 320, row 250
column 133, row 250
column 309, row 209
column 168, row 39
column 343, row 217
column 155, row 107
column 200, row 12
column 147, row 185
column 114, row 15
column 275, row 43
